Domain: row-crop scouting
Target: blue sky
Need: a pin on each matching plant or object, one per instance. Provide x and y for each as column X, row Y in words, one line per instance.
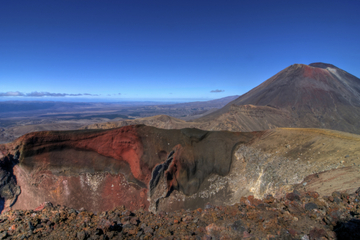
column 166, row 49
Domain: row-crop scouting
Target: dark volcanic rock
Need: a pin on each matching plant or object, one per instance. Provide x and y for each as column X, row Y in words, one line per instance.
column 231, row 222
column 292, row 196
column 310, row 206
column 9, row 190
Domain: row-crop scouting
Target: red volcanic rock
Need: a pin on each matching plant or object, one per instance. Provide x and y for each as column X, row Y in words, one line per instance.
column 104, row 166
column 122, row 144
column 312, row 194
column 95, row 170
column 43, row 205
column 172, row 173
column 292, row 196
column 100, row 170
column 254, row 201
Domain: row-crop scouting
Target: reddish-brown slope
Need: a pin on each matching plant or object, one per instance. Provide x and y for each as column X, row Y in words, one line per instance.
column 94, row 170
column 99, row 170
column 315, row 95
column 303, row 85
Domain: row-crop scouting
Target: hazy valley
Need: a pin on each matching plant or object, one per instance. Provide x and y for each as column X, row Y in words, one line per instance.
column 20, row 117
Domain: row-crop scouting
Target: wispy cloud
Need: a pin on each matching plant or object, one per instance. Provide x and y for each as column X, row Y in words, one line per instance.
column 11, row 94
column 217, row 91
column 43, row 94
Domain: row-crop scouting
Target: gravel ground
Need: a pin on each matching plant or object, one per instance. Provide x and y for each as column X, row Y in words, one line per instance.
column 297, row 215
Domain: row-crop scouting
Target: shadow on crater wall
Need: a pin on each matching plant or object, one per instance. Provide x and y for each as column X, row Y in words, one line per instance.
column 9, row 191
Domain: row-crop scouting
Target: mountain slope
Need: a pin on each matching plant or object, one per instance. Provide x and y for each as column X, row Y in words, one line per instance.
column 316, row 95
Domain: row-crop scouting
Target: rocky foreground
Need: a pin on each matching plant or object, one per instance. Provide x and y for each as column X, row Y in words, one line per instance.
column 297, row 215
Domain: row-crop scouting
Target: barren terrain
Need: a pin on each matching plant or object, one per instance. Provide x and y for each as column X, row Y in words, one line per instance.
column 297, row 215
column 18, row 118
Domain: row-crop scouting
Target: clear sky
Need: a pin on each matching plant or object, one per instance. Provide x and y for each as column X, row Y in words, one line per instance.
column 167, row 49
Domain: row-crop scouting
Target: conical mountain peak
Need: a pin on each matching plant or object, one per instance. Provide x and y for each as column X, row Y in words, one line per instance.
column 314, row 95
column 300, row 86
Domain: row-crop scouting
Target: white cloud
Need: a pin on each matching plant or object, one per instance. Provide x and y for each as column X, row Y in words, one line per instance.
column 217, row 91
column 11, row 94
column 43, row 94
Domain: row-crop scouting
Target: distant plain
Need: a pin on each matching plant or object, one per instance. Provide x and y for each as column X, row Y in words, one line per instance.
column 20, row 117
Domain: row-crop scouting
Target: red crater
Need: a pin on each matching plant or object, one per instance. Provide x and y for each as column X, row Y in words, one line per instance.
column 315, row 73
column 101, row 169
column 122, row 144
column 95, row 170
